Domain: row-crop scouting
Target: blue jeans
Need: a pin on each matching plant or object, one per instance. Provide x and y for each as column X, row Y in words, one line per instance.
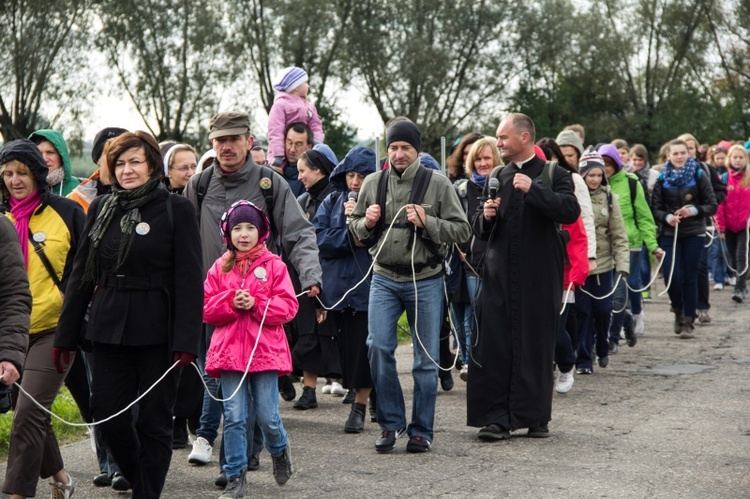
column 716, row 263
column 256, row 400
column 644, row 267
column 390, row 299
column 623, row 293
column 211, row 411
column 464, row 318
column 593, row 319
column 683, row 291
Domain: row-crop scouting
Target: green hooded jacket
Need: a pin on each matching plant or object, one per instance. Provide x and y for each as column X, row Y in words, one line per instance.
column 69, row 182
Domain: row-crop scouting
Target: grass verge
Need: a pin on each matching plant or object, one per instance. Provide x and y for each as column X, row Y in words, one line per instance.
column 65, row 407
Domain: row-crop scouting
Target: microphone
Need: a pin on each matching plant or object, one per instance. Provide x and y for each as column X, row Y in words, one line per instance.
column 351, row 197
column 494, row 185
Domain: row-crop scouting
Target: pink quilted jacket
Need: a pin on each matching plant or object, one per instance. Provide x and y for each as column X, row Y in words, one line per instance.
column 287, row 109
column 236, row 330
column 734, row 212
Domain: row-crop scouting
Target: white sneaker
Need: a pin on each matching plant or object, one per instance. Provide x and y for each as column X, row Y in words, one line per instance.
column 564, row 382
column 327, row 388
column 638, row 324
column 337, row 389
column 718, row 286
column 63, row 490
column 201, row 453
column 622, row 334
column 464, row 375
column 732, row 281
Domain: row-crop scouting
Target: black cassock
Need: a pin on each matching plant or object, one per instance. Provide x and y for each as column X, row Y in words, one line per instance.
column 510, row 374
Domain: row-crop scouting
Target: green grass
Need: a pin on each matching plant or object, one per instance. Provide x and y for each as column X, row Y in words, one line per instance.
column 65, row 407
column 402, row 330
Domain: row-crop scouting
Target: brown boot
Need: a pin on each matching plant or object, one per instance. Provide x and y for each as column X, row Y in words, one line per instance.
column 687, row 332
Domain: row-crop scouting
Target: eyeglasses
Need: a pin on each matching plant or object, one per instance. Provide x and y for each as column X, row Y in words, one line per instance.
column 184, row 169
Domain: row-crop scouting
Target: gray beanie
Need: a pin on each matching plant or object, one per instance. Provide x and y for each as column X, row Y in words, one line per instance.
column 570, row 138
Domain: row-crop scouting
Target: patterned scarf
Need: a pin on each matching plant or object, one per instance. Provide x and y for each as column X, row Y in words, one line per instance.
column 243, row 260
column 22, row 211
column 679, row 177
column 129, row 200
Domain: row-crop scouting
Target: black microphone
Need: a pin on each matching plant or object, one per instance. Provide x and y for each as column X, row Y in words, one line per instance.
column 494, row 186
column 352, row 197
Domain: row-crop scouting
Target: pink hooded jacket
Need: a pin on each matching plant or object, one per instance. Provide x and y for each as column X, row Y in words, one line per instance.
column 236, row 330
column 287, row 109
column 734, row 211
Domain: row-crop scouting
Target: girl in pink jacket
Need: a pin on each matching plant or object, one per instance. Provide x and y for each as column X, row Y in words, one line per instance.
column 248, row 296
column 733, row 214
column 290, row 106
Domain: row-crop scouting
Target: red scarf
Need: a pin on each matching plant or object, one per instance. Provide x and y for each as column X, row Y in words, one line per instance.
column 244, row 259
column 22, row 211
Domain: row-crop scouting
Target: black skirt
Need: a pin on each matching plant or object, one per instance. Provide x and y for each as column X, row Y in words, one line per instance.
column 355, row 366
column 317, row 348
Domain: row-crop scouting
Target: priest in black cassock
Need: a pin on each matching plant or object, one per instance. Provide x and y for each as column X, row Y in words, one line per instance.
column 511, row 368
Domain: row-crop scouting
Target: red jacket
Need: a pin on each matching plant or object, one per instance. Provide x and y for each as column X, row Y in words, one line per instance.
column 578, row 269
column 734, row 211
column 237, row 330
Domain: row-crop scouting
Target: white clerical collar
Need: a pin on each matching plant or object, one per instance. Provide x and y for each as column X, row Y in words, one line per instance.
column 520, row 164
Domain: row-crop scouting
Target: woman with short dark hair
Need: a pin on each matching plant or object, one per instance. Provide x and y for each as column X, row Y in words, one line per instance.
column 139, row 265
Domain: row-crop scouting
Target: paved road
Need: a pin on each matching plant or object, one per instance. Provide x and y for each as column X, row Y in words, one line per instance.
column 635, row 429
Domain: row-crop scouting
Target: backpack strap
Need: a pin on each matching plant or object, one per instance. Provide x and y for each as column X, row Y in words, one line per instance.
column 45, row 261
column 204, row 180
column 380, row 200
column 421, row 182
column 462, row 189
column 547, row 175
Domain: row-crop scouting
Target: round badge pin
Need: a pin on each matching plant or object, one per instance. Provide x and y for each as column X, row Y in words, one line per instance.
column 260, row 273
column 40, row 236
column 604, row 211
column 142, row 229
column 688, row 197
column 265, row 183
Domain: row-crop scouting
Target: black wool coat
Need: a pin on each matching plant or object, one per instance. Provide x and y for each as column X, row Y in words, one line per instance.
column 156, row 298
column 510, row 372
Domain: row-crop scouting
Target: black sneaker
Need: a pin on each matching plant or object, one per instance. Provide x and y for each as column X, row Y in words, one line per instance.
column 603, row 361
column 221, row 480
column 103, row 480
column 253, row 463
column 286, row 388
column 738, row 296
column 539, row 431
column 282, row 466
column 418, row 444
column 630, row 338
column 446, row 380
column 120, row 483
column 235, row 487
column 493, row 432
column 387, row 440
column 308, row 400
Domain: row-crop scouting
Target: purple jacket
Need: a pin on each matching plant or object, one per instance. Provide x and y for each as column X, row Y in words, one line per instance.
column 236, row 330
column 287, row 109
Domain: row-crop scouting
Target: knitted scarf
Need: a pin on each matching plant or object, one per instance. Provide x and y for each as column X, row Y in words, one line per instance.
column 22, row 211
column 244, row 259
column 479, row 179
column 678, row 177
column 130, row 200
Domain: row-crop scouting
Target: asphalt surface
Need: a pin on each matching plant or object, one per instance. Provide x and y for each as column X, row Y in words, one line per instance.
column 668, row 418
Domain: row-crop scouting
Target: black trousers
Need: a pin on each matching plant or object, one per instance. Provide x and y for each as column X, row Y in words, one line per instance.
column 143, row 451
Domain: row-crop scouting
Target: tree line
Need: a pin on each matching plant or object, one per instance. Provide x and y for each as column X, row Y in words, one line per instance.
column 642, row 70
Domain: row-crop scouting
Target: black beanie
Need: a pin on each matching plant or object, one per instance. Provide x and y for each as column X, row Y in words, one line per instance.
column 26, row 152
column 101, row 139
column 319, row 161
column 404, row 130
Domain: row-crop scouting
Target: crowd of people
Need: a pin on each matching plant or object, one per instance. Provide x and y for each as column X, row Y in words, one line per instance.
column 262, row 269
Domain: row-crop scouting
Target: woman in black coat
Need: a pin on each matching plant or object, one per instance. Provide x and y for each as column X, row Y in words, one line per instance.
column 140, row 267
